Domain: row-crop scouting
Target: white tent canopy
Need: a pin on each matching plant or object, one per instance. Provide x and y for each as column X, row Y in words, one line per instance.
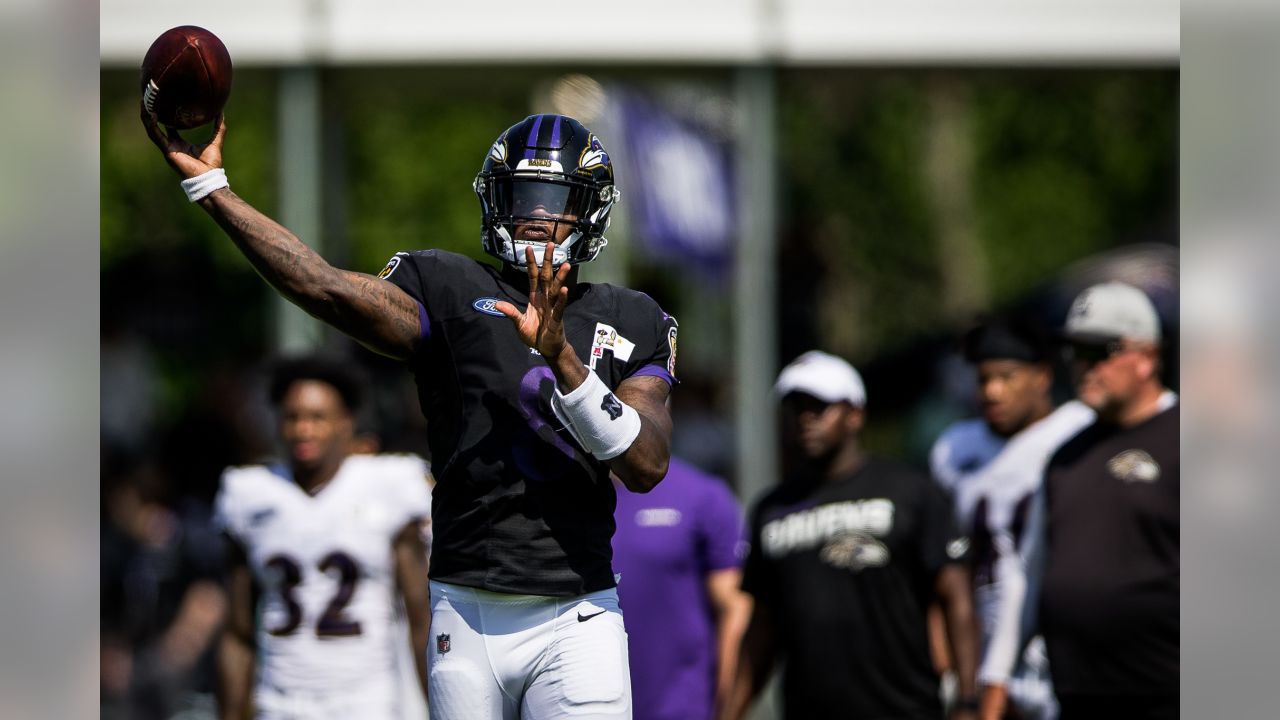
column 788, row 32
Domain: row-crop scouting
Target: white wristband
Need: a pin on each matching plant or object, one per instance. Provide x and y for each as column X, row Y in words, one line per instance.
column 199, row 186
column 604, row 425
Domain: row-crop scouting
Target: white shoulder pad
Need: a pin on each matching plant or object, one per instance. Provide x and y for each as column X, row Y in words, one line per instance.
column 239, row 489
column 400, row 479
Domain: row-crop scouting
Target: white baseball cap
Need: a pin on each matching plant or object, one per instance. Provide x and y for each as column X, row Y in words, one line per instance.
column 1113, row 310
column 823, row 376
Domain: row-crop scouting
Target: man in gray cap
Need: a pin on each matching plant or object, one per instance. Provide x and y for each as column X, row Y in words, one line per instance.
column 847, row 554
column 1108, row 523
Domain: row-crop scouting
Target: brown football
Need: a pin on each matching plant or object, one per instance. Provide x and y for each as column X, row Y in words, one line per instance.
column 186, row 77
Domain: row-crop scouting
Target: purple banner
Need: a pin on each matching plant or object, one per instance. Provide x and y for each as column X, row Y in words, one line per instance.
column 680, row 187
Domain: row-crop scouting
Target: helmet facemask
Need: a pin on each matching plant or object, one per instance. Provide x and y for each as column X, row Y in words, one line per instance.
column 522, row 210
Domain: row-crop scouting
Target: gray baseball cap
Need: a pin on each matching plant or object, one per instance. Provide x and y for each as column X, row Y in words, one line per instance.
column 823, row 376
column 1110, row 311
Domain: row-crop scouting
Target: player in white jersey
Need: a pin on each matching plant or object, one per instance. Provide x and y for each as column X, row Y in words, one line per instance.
column 323, row 548
column 993, row 467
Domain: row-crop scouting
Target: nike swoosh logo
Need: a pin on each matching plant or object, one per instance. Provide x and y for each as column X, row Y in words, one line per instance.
column 584, row 618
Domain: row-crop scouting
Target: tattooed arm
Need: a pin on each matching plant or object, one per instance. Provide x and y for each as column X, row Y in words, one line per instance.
column 378, row 314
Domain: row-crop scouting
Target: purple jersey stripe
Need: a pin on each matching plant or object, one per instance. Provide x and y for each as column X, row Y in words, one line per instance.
column 655, row 371
column 424, row 325
column 531, row 142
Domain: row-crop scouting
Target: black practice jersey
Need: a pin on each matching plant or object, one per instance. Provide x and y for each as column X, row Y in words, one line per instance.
column 1109, row 599
column 518, row 505
column 846, row 570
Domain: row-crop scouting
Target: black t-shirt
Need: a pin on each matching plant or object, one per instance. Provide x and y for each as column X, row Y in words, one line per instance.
column 518, row 506
column 1109, row 603
column 144, row 585
column 846, row 570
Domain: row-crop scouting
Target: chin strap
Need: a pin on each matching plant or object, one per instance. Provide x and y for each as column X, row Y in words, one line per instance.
column 514, row 251
column 558, row 256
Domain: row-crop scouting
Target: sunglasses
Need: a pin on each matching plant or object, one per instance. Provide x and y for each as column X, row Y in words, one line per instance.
column 1092, row 353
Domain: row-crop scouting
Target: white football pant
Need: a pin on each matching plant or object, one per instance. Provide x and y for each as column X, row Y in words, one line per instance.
column 498, row 656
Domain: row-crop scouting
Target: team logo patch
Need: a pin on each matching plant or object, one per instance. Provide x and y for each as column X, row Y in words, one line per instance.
column 1134, row 466
column 671, row 345
column 607, row 338
column 611, row 405
column 442, row 643
column 487, row 305
column 498, row 153
column 854, row 551
column 390, row 267
column 593, row 155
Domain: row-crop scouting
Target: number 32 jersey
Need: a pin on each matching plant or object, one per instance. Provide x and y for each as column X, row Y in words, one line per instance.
column 520, row 507
column 324, row 566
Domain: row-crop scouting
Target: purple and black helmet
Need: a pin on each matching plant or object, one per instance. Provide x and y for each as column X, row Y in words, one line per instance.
column 546, row 168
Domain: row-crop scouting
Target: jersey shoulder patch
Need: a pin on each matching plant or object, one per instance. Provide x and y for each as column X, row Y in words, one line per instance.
column 392, row 265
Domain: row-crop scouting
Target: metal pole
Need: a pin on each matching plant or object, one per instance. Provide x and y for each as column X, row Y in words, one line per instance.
column 755, row 299
column 300, row 192
column 755, row 339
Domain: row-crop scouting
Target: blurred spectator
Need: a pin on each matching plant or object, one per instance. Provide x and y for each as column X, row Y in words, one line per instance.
column 678, row 549
column 992, row 466
column 161, row 601
column 127, row 384
column 846, row 556
column 949, row 397
column 331, row 541
column 223, row 425
column 1109, row 522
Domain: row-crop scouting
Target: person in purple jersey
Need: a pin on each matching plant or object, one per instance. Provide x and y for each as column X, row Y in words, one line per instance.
column 679, row 550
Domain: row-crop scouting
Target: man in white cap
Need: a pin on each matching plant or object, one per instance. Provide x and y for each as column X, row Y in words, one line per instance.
column 847, row 554
column 1108, row 523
